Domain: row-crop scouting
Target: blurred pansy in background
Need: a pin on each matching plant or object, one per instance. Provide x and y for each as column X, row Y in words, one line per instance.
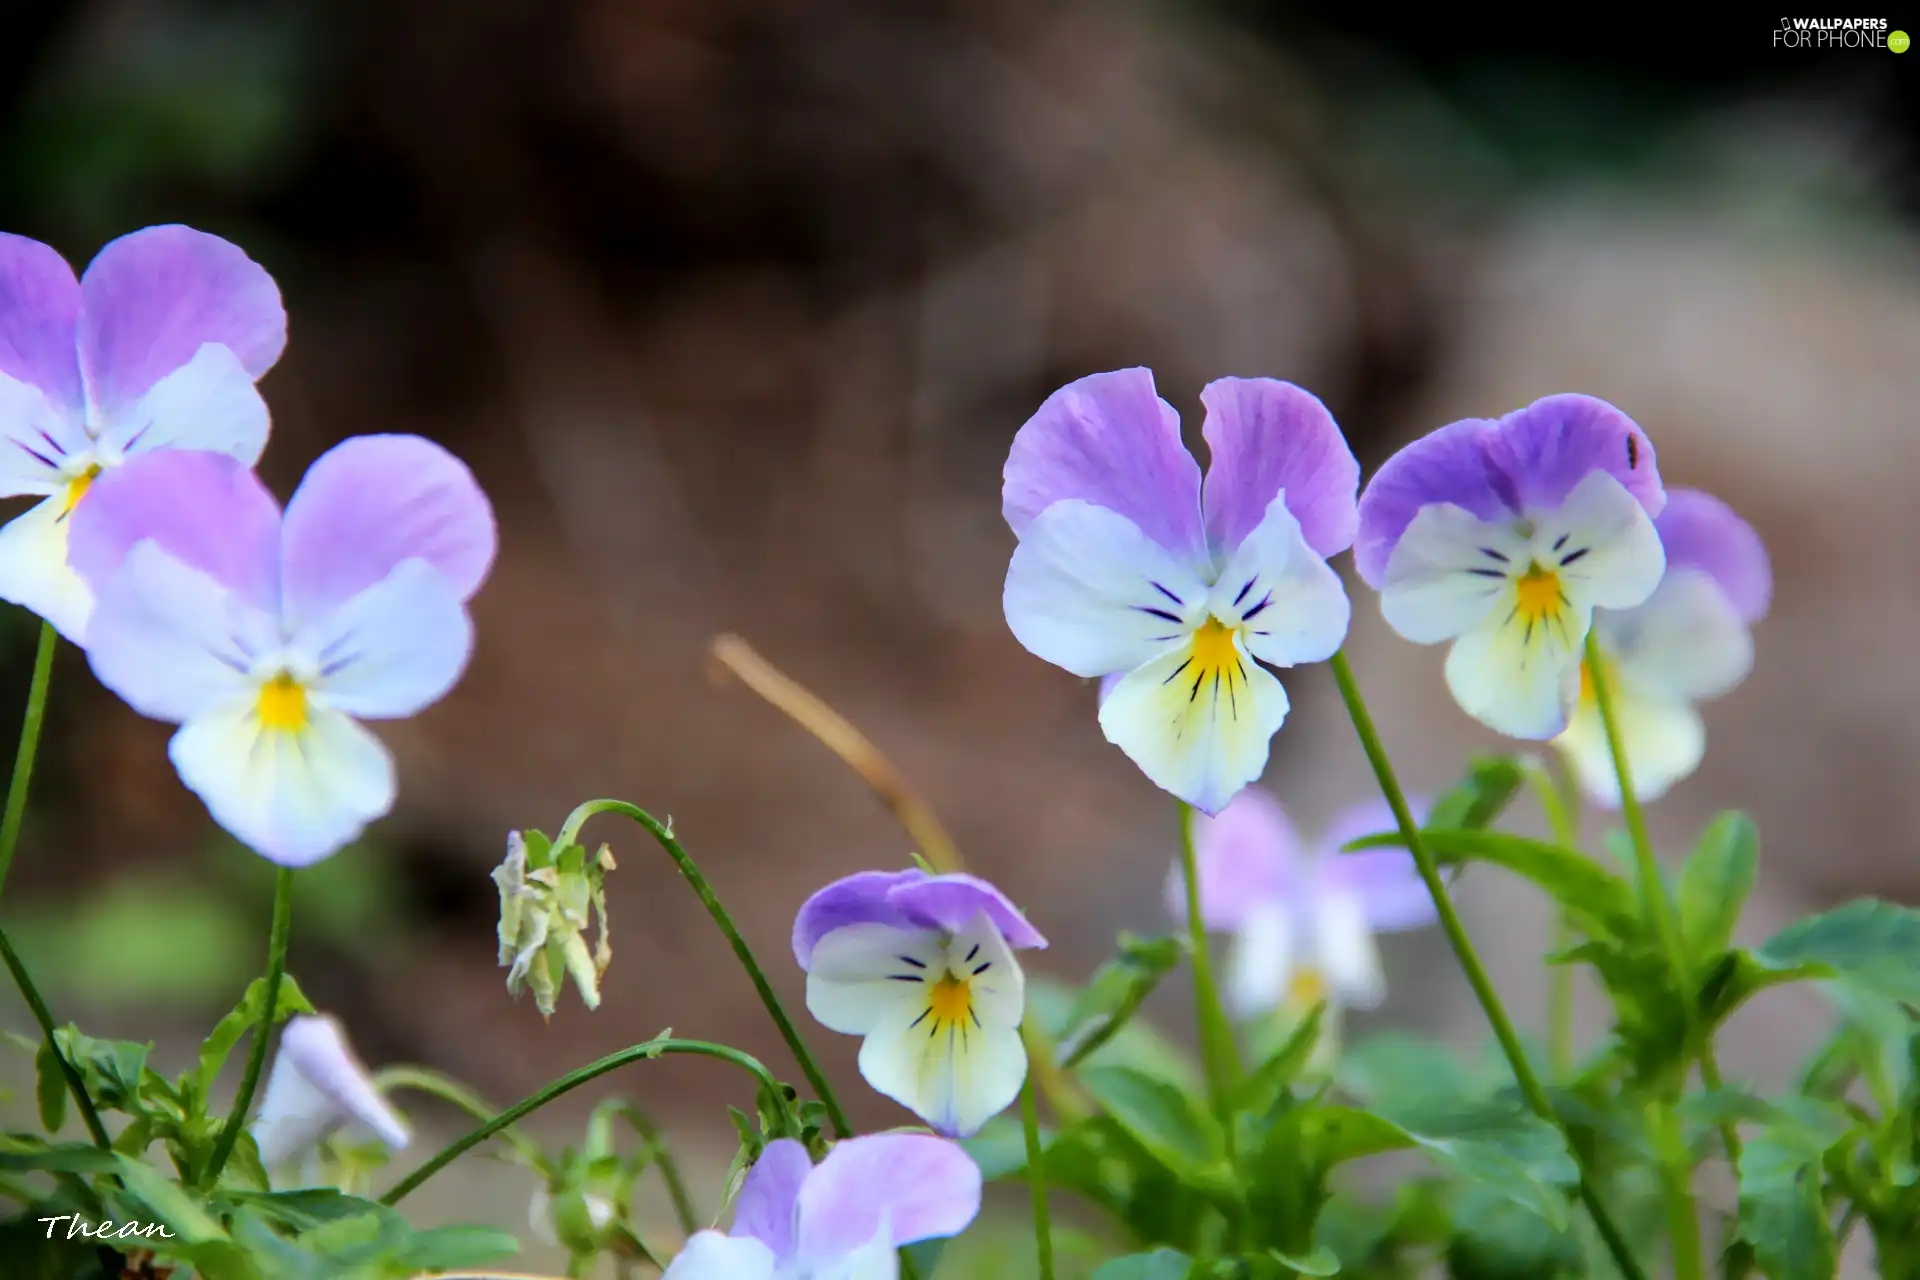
column 156, row 347
column 1503, row 537
column 1130, row 565
column 1688, row 643
column 1303, row 917
column 923, row 967
column 268, row 637
column 317, row 1086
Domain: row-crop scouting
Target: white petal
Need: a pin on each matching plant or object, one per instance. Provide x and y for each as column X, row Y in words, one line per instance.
column 1345, row 951
column 395, row 648
column 712, row 1256
column 980, row 956
column 1292, row 602
column 293, row 797
column 1261, row 963
column 954, row 1075
column 867, row 974
column 1448, row 573
column 34, row 571
column 1602, row 544
column 1664, row 740
column 877, row 1259
column 1686, row 643
column 317, row 1084
column 1088, row 591
column 1196, row 727
column 37, row 442
column 1518, row 676
column 208, row 403
column 170, row 640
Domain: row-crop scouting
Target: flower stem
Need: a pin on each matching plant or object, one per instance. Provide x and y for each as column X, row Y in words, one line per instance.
column 451, row 1091
column 656, row 1048
column 1561, row 818
column 1037, row 1180
column 570, row 832
column 1217, row 1050
column 75, row 1085
column 29, row 747
column 263, row 1033
column 1469, row 959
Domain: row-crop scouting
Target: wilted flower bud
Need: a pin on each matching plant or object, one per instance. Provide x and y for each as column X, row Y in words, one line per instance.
column 548, row 897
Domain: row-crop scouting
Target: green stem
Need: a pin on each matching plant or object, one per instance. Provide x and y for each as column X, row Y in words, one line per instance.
column 1560, row 989
column 1037, row 1180
column 1469, row 959
column 447, row 1089
column 1218, row 1052
column 569, row 834
column 566, row 1084
column 29, row 747
column 683, row 1210
column 263, row 1033
column 41, row 1014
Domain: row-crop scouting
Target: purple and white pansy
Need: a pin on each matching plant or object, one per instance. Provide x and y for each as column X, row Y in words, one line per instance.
column 1688, row 642
column 156, row 347
column 923, row 967
column 268, row 636
column 1503, row 537
column 1303, row 918
column 845, row 1218
column 1130, row 565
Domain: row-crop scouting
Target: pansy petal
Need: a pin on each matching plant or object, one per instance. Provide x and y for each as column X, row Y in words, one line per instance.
column 373, row 501
column 913, row 1186
column 996, row 986
column 1609, row 551
column 1197, row 728
column 1109, row 440
column 1700, row 531
column 1665, row 740
column 1548, row 448
column 39, row 315
column 1448, row 573
column 207, row 403
column 1446, row 466
column 34, row 572
column 395, row 648
column 206, row 510
column 1345, row 952
column 41, row 449
column 1088, row 591
column 1247, row 856
column 152, row 298
column 765, row 1209
column 952, row 902
column 1384, row 882
column 170, row 640
column 1291, row 602
column 868, row 975
column 1260, row 966
column 1518, row 678
column 860, row 898
column 1685, row 644
column 294, row 797
column 317, row 1083
column 1265, row 437
column 953, row 1075
column 877, row 1259
column 712, row 1256
column 1367, row 817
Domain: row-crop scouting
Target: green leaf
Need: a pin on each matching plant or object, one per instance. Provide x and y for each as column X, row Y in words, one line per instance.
column 1160, row 1117
column 20, row 1153
column 1715, row 882
column 1476, row 800
column 1115, row 993
column 50, row 1086
column 444, row 1248
column 1137, row 1044
column 168, row 1203
column 1320, row 1262
column 1394, row 1065
column 1161, row 1264
column 1592, row 893
column 301, row 1210
column 925, row 1256
column 1782, row 1214
column 228, row 1031
column 1266, row 1084
column 1870, row 945
column 1000, row 1148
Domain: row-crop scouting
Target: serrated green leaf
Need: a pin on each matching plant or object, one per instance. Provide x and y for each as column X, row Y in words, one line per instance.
column 1600, row 899
column 1715, row 882
column 1115, row 993
column 1480, row 797
column 1160, row 1117
column 1161, row 1264
column 1782, row 1213
column 214, row 1050
column 169, row 1204
column 1870, row 945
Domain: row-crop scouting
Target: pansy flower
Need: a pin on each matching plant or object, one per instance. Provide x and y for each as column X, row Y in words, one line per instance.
column 1129, row 564
column 1689, row 642
column 156, row 347
column 1503, row 537
column 843, row 1219
column 923, row 967
column 267, row 637
column 316, row 1086
column 1303, row 918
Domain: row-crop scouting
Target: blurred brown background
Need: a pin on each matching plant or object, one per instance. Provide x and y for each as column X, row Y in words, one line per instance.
column 734, row 306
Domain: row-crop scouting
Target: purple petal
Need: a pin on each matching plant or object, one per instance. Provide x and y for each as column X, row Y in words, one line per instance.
column 1550, row 446
column 1389, row 886
column 1700, row 531
column 39, row 315
column 1246, row 858
column 1109, row 440
column 373, row 501
column 206, row 510
column 1448, row 465
column 151, row 299
column 1267, row 436
column 768, row 1198
column 922, row 1188
column 1368, row 817
column 951, row 903
column 858, row 899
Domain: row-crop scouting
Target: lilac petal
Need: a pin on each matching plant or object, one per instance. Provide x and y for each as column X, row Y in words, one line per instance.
column 1449, row 465
column 857, row 899
column 1367, row 817
column 39, row 314
column 1388, row 885
column 918, row 1187
column 1702, row 532
column 1549, row 447
column 1267, row 436
column 1247, row 858
column 370, row 503
column 951, row 902
column 150, row 299
column 206, row 510
column 1109, row 440
column 765, row 1210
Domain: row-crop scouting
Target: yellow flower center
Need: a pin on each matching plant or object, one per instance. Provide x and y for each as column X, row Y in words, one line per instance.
column 78, row 486
column 1537, row 593
column 283, row 704
column 951, row 1000
column 1306, row 988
